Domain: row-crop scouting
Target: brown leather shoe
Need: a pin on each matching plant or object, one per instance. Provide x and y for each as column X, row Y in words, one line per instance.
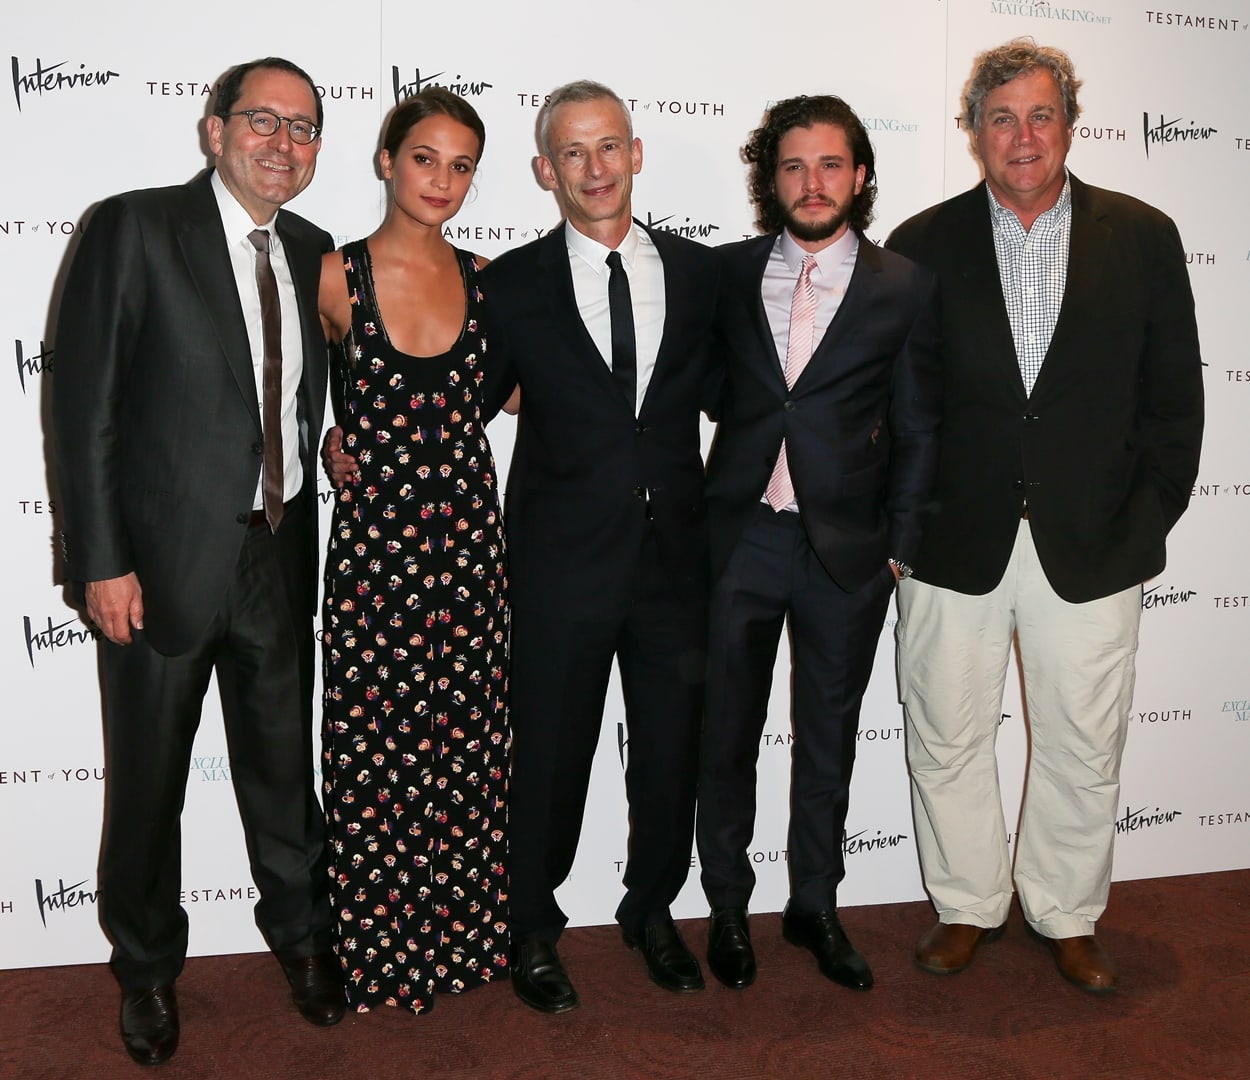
column 1084, row 963
column 950, row 947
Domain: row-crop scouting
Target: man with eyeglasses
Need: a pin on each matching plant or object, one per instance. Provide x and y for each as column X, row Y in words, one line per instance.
column 191, row 386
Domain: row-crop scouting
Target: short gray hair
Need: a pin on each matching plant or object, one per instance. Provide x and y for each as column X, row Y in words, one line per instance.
column 1020, row 56
column 581, row 90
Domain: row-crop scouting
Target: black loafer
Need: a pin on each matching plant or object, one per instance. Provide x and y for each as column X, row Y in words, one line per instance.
column 669, row 963
column 316, row 987
column 149, row 1024
column 729, row 952
column 539, row 979
column 822, row 934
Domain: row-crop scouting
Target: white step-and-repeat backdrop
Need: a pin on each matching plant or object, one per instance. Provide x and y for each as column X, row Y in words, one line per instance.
column 102, row 97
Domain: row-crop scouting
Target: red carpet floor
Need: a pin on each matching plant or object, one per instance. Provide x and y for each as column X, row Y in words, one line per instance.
column 1183, row 1011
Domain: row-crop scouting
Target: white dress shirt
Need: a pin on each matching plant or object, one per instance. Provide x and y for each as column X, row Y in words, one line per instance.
column 238, row 223
column 645, row 270
column 1033, row 271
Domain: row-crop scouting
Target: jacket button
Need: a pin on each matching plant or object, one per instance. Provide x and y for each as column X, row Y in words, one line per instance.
column 1030, row 418
column 789, row 406
column 640, row 428
column 258, row 448
column 639, row 492
column 1018, row 485
column 242, row 519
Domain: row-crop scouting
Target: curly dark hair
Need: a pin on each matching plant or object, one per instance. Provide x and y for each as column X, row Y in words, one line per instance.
column 760, row 153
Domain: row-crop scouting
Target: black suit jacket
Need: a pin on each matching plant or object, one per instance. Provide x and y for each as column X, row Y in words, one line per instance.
column 584, row 468
column 157, row 427
column 859, row 424
column 1105, row 449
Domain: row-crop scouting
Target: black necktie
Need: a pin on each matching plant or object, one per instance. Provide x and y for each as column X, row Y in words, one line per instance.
column 624, row 348
column 271, row 379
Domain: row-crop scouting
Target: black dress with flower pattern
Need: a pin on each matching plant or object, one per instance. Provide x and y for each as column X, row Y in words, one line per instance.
column 415, row 740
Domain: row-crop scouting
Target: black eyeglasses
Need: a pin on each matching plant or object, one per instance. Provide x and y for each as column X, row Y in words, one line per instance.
column 266, row 123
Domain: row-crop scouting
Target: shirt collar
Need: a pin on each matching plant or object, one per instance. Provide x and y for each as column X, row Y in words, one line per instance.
column 828, row 259
column 1062, row 207
column 236, row 221
column 595, row 254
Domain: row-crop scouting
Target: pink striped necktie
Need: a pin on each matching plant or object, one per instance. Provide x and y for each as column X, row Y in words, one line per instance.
column 780, row 491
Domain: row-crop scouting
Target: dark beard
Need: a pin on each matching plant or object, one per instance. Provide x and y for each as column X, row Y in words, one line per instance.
column 816, row 231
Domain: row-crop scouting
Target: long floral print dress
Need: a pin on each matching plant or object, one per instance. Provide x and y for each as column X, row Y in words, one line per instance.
column 415, row 741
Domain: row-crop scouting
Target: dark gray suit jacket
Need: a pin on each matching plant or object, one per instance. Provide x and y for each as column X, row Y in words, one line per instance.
column 157, row 428
column 860, row 424
column 583, row 463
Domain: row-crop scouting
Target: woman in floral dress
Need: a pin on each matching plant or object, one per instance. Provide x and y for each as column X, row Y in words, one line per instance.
column 415, row 740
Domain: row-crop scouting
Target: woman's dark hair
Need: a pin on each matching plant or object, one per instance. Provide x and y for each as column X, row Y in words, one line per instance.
column 432, row 101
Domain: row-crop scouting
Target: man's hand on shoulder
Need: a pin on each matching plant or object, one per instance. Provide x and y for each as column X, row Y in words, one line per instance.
column 115, row 605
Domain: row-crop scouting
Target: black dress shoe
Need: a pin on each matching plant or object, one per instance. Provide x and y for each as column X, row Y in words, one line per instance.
column 539, row 979
column 669, row 963
column 149, row 1024
column 316, row 987
column 822, row 934
column 729, row 952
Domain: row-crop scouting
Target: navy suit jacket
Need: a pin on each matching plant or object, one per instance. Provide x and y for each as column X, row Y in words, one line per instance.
column 860, row 424
column 157, row 426
column 1105, row 449
column 586, row 472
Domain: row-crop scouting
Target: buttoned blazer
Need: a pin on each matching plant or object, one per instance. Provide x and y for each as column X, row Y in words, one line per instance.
column 860, row 423
column 157, row 425
column 1105, row 448
column 587, row 473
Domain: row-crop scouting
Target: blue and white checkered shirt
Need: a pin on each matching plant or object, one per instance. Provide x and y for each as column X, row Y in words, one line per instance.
column 1033, row 270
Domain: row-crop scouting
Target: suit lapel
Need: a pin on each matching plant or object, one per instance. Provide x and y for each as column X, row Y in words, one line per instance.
column 756, row 265
column 556, row 290
column 304, row 262
column 742, row 284
column 979, row 289
column 203, row 243
column 676, row 289
column 305, row 266
column 1087, row 256
column 673, row 301
column 858, row 289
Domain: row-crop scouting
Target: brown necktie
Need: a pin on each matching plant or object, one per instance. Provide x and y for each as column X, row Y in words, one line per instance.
column 271, row 379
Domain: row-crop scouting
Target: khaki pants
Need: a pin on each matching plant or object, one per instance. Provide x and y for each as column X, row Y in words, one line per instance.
column 1078, row 663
